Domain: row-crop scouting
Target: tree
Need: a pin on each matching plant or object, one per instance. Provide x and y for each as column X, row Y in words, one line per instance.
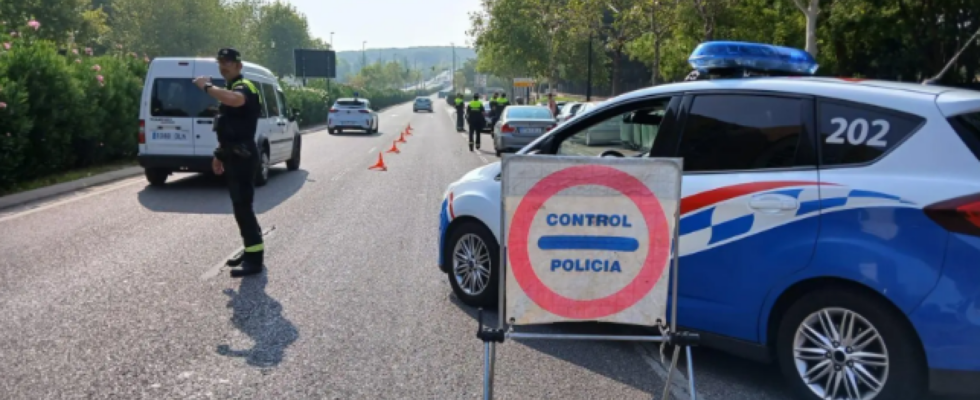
column 660, row 15
column 280, row 30
column 811, row 10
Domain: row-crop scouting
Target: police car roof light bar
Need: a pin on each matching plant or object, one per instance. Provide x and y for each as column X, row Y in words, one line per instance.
column 714, row 56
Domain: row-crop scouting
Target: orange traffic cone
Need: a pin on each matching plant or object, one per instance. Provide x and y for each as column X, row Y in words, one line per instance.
column 407, row 132
column 409, row 126
column 393, row 149
column 402, row 138
column 380, row 165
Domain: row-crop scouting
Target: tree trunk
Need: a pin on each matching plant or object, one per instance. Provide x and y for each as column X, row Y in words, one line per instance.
column 811, row 10
column 615, row 71
column 656, row 61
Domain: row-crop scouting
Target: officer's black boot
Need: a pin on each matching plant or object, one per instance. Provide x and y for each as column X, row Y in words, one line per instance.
column 236, row 260
column 252, row 263
column 471, row 146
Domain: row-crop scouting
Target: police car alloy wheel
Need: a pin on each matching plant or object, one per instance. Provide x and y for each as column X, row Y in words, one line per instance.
column 842, row 343
column 474, row 256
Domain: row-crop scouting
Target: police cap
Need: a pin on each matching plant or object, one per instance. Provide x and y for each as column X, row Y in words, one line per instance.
column 229, row 54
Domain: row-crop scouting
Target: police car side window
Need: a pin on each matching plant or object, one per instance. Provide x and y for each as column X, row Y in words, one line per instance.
column 270, row 99
column 853, row 134
column 740, row 132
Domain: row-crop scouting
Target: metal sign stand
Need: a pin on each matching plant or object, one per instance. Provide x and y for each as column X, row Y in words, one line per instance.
column 668, row 334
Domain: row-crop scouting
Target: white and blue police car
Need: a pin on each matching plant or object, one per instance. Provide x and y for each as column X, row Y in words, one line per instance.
column 830, row 225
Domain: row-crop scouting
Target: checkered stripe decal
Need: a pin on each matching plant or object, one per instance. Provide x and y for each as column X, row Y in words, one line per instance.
column 733, row 218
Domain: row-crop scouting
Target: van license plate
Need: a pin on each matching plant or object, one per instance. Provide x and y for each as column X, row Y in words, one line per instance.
column 173, row 136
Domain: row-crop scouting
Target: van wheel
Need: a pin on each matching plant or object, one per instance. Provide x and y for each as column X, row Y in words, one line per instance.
column 473, row 256
column 262, row 175
column 293, row 163
column 841, row 343
column 156, row 176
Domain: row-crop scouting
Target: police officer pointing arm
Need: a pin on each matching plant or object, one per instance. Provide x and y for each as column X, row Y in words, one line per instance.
column 237, row 155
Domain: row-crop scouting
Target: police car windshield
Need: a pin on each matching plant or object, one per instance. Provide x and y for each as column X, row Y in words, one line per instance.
column 178, row 97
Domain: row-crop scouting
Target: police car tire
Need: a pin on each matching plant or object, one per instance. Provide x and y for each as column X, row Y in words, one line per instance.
column 487, row 298
column 907, row 371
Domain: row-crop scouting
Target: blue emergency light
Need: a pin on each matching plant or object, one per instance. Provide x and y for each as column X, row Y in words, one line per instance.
column 729, row 55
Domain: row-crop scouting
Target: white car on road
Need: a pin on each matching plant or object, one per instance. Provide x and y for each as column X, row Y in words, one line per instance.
column 352, row 113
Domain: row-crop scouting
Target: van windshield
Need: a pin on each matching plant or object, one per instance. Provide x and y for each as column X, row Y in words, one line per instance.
column 179, row 97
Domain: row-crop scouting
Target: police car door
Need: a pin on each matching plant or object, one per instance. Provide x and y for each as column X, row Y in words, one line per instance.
column 749, row 173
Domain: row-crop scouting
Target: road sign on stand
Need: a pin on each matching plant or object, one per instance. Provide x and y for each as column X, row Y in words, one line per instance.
column 523, row 82
column 588, row 239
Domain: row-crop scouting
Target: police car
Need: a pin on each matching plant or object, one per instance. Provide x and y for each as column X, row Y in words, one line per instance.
column 830, row 225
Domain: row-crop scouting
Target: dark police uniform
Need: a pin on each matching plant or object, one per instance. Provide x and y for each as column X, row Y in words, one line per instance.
column 235, row 127
column 459, row 112
column 475, row 119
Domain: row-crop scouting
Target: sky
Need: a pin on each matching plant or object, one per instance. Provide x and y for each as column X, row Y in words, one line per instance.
column 388, row 23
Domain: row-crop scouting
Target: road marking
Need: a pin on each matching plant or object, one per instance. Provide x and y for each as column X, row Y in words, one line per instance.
column 678, row 383
column 126, row 183
column 372, row 150
column 216, row 269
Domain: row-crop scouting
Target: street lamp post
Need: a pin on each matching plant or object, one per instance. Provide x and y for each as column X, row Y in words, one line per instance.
column 453, row 71
column 363, row 55
column 331, row 42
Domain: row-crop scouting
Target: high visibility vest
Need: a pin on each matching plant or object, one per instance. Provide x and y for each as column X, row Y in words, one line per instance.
column 502, row 101
column 459, row 101
column 476, row 105
column 250, row 85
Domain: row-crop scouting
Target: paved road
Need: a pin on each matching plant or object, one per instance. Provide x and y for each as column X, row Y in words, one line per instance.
column 117, row 292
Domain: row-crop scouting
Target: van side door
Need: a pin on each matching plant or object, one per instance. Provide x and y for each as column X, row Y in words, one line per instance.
column 275, row 123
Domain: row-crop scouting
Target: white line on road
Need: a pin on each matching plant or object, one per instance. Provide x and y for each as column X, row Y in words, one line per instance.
column 678, row 383
column 125, row 183
column 372, row 150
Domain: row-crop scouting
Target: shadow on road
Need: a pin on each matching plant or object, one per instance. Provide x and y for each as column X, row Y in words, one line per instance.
column 208, row 194
column 605, row 358
column 259, row 316
column 359, row 134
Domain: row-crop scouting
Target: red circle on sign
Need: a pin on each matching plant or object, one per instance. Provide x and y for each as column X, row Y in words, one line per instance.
column 643, row 283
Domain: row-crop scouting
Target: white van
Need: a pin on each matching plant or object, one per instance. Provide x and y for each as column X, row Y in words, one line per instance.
column 177, row 120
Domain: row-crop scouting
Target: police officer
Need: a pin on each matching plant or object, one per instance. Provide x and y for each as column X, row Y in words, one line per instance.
column 502, row 103
column 475, row 119
column 459, row 112
column 237, row 155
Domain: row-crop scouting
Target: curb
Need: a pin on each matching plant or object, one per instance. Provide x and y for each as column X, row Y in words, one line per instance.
column 62, row 188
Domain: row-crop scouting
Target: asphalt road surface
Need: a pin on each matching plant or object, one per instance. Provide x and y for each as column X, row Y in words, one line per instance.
column 118, row 292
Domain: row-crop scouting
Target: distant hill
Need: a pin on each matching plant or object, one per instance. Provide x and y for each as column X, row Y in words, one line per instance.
column 441, row 57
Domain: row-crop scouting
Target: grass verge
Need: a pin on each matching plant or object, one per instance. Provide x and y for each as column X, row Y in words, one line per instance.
column 67, row 176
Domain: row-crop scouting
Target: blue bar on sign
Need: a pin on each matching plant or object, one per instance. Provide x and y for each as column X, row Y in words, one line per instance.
column 578, row 242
